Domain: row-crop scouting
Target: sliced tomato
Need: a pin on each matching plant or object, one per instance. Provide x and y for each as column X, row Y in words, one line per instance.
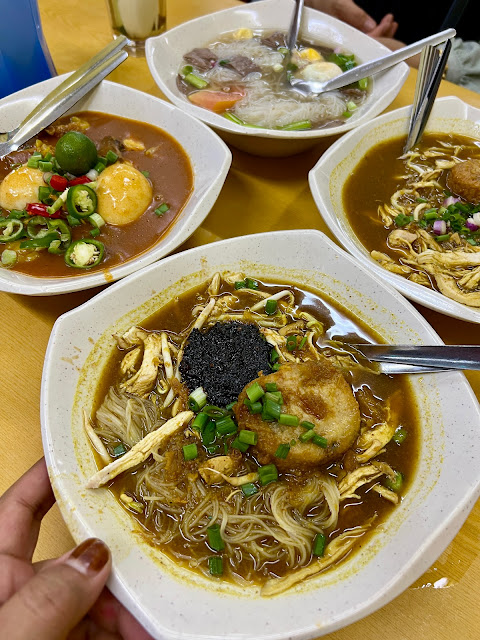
column 217, row 101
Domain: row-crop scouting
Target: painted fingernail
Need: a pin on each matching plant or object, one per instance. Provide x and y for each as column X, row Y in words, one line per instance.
column 369, row 24
column 90, row 556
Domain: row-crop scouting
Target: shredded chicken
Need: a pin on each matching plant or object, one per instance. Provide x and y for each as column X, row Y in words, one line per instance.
column 144, row 380
column 140, row 451
column 388, row 494
column 213, row 470
column 372, row 441
column 130, row 361
column 335, row 551
column 354, row 480
column 133, row 337
column 95, row 440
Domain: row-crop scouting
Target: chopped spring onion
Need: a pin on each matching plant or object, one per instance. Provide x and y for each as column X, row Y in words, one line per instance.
column 271, row 387
column 214, row 412
column 255, row 392
column 215, row 565
column 255, row 407
column 230, row 406
column 200, row 421
column 146, row 173
column 240, row 284
column 320, row 441
column 45, row 166
column 186, row 70
column 400, row 435
column 347, row 114
column 73, row 221
column 276, row 396
column 301, row 125
column 302, row 342
column 274, row 356
column 396, row 483
column 351, row 106
column 197, row 399
column 271, row 307
column 288, row 419
column 249, row 489
column 443, row 238
column 233, row 118
column 291, row 343
column 282, row 451
column 241, row 446
column 276, row 366
column 111, row 157
column 196, row 81
column 44, row 194
column 33, row 162
column 319, row 543
column 190, row 451
column 136, row 506
column 96, row 220
column 307, row 425
column 267, row 474
column 96, row 171
column 272, row 408
column 363, row 84
column 251, row 284
column 225, row 426
column 215, row 537
column 209, row 434
column 9, row 257
column 308, row 435
column 119, row 450
column 249, row 437
column 163, row 208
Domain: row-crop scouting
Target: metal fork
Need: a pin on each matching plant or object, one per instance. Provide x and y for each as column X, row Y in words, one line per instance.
column 65, row 95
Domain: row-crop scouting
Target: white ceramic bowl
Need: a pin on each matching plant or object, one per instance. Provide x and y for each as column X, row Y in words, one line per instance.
column 175, row 604
column 209, row 156
column 332, row 170
column 164, row 56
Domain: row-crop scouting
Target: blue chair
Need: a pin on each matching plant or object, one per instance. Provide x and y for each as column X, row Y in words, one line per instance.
column 24, row 55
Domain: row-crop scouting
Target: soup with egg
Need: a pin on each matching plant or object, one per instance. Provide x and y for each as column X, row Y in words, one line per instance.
column 90, row 192
column 244, row 435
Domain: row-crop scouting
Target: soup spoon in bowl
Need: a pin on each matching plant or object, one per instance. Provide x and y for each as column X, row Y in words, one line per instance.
column 312, row 87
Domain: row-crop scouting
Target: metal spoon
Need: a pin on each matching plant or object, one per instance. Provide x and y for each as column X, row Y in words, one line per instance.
column 308, row 87
column 426, row 358
column 65, row 95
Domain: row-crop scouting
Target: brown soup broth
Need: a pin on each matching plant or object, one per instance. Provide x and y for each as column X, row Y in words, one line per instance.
column 170, row 173
column 340, row 325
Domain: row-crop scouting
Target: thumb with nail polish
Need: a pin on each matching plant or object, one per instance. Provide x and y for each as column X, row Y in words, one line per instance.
column 57, row 598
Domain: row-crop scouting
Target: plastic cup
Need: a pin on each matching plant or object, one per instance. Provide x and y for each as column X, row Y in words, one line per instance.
column 137, row 20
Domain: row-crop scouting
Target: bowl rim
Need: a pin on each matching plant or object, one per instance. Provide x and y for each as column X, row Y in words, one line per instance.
column 397, row 74
column 319, row 178
column 40, row 286
column 427, row 550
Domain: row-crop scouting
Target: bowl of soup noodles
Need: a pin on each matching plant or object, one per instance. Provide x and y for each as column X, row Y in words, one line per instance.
column 218, row 431
column 230, row 70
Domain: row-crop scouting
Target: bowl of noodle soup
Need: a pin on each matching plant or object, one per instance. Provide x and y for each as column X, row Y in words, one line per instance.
column 262, row 519
column 262, row 119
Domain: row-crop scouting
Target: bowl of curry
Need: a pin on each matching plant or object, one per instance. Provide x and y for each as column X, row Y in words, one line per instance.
column 116, row 183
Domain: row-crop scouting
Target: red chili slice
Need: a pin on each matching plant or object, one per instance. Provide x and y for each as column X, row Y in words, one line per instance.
column 35, row 209
column 59, row 183
column 79, row 180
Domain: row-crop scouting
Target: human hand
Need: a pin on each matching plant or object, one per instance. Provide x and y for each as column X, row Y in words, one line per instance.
column 58, row 599
column 386, row 28
column 347, row 11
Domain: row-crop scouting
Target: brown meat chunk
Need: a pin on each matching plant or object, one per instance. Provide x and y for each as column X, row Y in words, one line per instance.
column 314, row 391
column 202, row 59
column 464, row 180
column 109, row 143
column 274, row 40
column 242, row 65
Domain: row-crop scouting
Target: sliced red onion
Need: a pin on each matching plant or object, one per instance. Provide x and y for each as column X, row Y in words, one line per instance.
column 470, row 224
column 476, row 218
column 439, row 227
column 450, row 200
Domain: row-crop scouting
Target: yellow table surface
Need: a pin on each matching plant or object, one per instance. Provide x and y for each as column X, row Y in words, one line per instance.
column 258, row 195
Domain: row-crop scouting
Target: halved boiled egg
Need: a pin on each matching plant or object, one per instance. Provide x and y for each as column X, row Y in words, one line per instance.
column 320, row 71
column 123, row 193
column 20, row 187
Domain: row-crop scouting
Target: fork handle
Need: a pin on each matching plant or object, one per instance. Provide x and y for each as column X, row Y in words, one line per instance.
column 63, row 97
column 385, row 62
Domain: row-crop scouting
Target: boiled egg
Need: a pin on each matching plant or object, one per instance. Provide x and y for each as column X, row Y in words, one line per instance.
column 20, row 187
column 320, row 71
column 123, row 193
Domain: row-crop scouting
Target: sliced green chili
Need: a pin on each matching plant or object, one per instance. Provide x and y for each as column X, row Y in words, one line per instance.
column 85, row 253
column 11, row 230
column 81, row 201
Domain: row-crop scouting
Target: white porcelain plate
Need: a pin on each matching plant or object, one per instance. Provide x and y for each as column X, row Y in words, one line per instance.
column 449, row 115
column 209, row 156
column 175, row 604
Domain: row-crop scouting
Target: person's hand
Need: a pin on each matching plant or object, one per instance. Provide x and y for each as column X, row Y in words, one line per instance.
column 347, row 11
column 60, row 598
column 386, row 28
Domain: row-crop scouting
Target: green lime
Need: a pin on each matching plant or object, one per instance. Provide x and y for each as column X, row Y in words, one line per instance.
column 76, row 153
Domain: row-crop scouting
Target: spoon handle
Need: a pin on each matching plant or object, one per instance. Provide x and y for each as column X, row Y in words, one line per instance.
column 295, row 25
column 442, row 356
column 67, row 94
column 380, row 64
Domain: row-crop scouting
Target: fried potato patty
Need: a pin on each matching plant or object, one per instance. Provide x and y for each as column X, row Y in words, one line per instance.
column 313, row 391
column 464, row 180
